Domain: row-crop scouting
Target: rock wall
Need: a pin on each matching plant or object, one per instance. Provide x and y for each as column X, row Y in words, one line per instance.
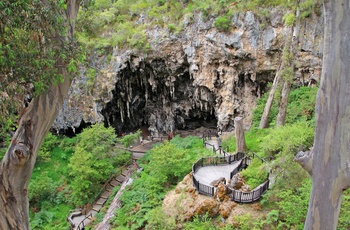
column 198, row 77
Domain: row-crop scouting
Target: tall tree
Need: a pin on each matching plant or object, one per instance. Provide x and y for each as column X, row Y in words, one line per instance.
column 285, row 71
column 328, row 163
column 36, row 43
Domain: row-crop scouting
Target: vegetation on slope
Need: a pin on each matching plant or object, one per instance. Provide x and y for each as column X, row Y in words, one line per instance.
column 70, row 172
column 163, row 167
column 51, row 189
column 124, row 23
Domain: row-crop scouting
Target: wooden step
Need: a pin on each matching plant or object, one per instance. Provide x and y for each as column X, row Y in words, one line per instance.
column 109, row 188
column 114, row 183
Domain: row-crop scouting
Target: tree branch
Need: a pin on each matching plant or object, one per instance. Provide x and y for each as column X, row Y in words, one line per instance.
column 305, row 160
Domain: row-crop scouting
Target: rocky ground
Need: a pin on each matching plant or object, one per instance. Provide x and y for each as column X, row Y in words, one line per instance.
column 184, row 203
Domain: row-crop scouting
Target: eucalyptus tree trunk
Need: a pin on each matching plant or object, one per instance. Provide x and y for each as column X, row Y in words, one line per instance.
column 265, row 115
column 17, row 165
column 328, row 163
column 287, row 85
column 240, row 139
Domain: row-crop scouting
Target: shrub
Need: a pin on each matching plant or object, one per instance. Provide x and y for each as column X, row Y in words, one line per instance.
column 50, row 142
column 92, row 162
column 222, row 23
column 293, row 206
column 166, row 164
column 255, row 174
column 130, row 139
column 102, row 4
column 40, row 219
column 289, row 19
column 91, row 77
column 41, row 189
column 288, row 139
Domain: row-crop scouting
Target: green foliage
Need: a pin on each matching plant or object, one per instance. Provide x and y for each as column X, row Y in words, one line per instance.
column 229, row 143
column 288, row 139
column 102, row 4
column 292, row 206
column 287, row 74
column 130, row 139
column 222, row 23
column 41, row 219
column 50, row 142
column 289, row 19
column 156, row 219
column 301, row 107
column 49, row 191
column 91, row 78
column 344, row 217
column 164, row 166
column 246, row 222
column 92, row 162
column 306, row 8
column 259, row 109
column 30, row 45
column 255, row 174
column 41, row 188
column 199, row 222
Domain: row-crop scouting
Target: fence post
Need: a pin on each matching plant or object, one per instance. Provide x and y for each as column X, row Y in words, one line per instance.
column 253, row 196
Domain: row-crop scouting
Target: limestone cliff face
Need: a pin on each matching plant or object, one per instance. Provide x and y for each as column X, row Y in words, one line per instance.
column 198, row 77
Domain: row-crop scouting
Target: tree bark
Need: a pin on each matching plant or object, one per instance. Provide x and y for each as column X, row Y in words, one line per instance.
column 287, row 85
column 329, row 159
column 18, row 163
column 265, row 115
column 282, row 110
column 240, row 139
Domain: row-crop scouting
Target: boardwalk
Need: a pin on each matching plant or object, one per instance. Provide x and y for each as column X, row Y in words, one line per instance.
column 79, row 220
column 208, row 174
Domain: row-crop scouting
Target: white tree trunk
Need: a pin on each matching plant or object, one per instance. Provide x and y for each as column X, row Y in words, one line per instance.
column 18, row 163
column 265, row 115
column 329, row 163
column 282, row 110
column 240, row 139
column 287, row 85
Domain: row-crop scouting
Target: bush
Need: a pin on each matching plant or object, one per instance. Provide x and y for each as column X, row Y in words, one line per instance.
column 40, row 219
column 293, row 205
column 222, row 23
column 255, row 174
column 288, row 139
column 92, row 162
column 289, row 19
column 164, row 165
column 130, row 139
column 41, row 189
column 50, row 142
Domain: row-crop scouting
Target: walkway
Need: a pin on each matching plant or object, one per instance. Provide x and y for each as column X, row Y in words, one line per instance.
column 79, row 220
column 208, row 174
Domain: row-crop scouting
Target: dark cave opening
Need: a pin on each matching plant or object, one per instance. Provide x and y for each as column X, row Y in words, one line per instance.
column 72, row 131
column 151, row 96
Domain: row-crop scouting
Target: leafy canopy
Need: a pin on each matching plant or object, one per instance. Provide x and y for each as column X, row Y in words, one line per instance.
column 32, row 40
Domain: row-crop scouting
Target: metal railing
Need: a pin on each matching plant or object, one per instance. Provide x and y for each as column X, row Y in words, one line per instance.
column 82, row 223
column 236, row 195
column 210, row 161
column 248, row 197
